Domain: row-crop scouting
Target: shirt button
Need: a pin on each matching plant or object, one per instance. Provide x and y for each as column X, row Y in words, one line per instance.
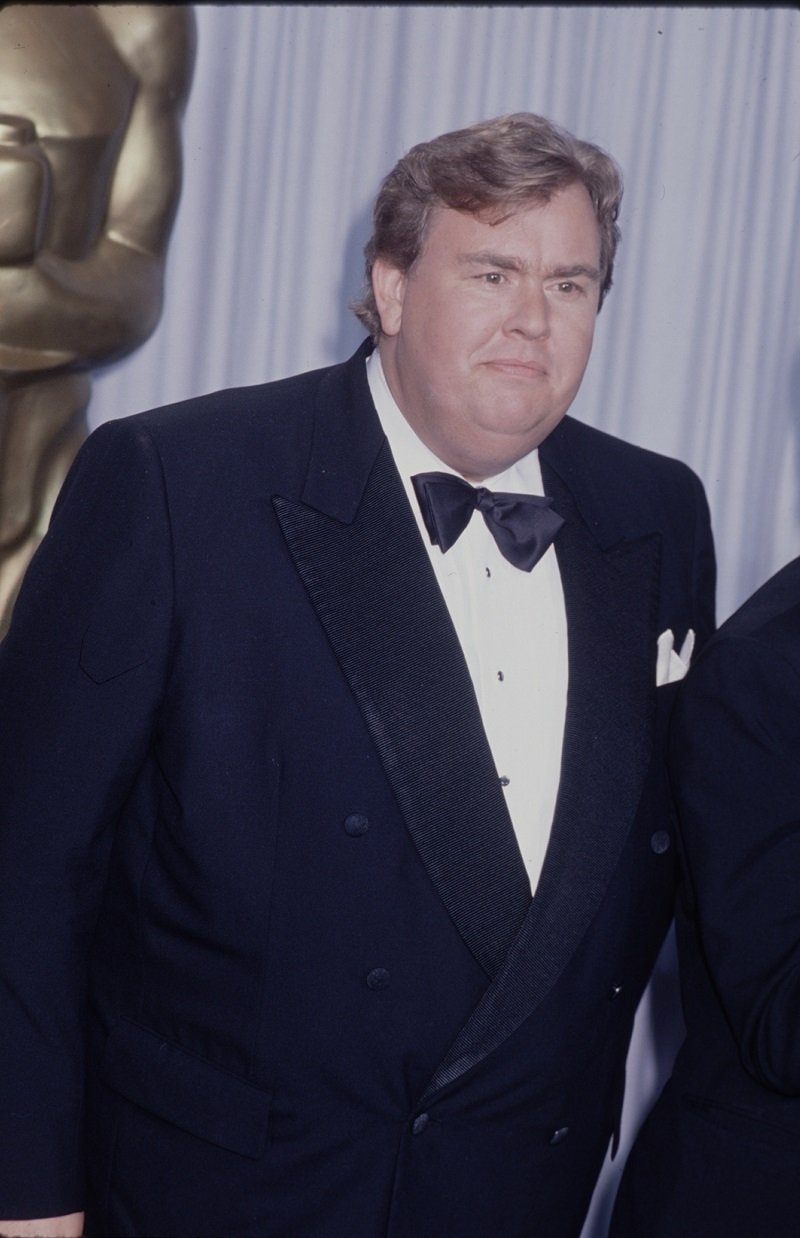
column 660, row 842
column 559, row 1135
column 378, row 978
column 356, row 824
column 419, row 1124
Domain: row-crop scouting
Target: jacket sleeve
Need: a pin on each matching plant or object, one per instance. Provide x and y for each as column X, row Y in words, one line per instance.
column 704, row 580
column 81, row 674
column 734, row 752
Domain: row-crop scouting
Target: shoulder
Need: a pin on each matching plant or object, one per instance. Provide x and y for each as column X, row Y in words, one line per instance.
column 605, row 453
column 751, row 665
column 773, row 610
column 765, row 631
column 623, row 493
column 742, row 696
column 232, row 413
column 623, row 490
column 156, row 41
column 224, row 437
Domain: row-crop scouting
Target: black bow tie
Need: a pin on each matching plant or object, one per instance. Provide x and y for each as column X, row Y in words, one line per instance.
column 523, row 525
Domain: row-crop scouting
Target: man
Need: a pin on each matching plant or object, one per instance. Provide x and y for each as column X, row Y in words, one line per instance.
column 719, row 1156
column 288, row 773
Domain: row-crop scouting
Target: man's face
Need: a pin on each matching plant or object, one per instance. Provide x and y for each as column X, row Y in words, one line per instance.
column 486, row 338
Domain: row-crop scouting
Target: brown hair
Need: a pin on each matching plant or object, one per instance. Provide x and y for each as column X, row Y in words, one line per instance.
column 501, row 165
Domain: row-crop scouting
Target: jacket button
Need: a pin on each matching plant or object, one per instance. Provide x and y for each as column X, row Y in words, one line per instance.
column 378, row 978
column 615, row 991
column 419, row 1124
column 660, row 842
column 356, row 824
column 560, row 1135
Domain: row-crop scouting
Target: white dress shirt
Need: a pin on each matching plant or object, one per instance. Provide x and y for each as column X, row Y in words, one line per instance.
column 512, row 628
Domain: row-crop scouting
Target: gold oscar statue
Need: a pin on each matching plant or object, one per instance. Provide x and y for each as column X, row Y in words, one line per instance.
column 91, row 99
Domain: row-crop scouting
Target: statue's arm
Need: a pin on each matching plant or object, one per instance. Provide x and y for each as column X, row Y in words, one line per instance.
column 158, row 45
column 57, row 310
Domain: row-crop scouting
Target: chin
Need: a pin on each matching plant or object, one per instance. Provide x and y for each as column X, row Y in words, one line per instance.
column 524, row 431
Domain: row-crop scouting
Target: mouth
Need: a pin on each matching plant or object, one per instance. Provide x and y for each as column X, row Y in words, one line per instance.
column 516, row 368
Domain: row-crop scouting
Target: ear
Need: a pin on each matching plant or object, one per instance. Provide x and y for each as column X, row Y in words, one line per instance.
column 389, row 288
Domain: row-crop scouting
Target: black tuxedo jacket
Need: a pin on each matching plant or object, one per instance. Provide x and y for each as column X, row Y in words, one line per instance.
column 257, row 869
column 720, row 1154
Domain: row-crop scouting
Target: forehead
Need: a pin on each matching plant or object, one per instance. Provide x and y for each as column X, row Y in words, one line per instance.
column 565, row 221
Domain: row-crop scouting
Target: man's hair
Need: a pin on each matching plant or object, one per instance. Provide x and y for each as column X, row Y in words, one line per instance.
column 492, row 169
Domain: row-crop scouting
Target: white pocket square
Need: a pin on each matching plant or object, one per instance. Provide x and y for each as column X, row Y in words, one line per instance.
column 671, row 666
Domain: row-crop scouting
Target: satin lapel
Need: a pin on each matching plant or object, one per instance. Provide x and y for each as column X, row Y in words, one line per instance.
column 368, row 576
column 611, row 599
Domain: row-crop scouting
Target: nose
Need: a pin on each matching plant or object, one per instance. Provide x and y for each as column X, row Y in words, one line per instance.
column 529, row 315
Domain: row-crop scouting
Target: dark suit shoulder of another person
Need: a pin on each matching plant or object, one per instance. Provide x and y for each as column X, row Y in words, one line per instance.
column 719, row 1156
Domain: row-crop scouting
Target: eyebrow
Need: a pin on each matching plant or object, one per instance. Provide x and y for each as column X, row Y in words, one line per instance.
column 484, row 257
column 573, row 271
column 505, row 263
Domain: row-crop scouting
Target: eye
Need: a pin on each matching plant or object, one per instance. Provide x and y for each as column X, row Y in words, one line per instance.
column 492, row 277
column 572, row 289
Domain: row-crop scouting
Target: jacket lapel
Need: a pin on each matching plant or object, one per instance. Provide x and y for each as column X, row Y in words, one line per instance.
column 357, row 548
column 610, row 596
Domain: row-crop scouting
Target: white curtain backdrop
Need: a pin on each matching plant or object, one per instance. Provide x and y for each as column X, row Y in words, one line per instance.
column 296, row 113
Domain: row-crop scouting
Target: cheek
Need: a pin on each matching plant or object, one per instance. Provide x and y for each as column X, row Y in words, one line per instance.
column 576, row 346
column 445, row 342
column 475, row 336
column 446, row 334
